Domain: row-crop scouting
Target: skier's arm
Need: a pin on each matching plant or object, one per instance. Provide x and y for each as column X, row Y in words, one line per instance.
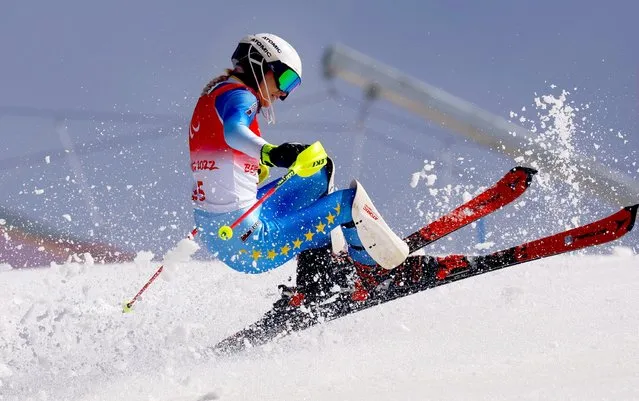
column 237, row 109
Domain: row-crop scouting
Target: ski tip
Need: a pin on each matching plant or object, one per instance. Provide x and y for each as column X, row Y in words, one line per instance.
column 220, row 350
column 528, row 170
column 230, row 345
column 633, row 215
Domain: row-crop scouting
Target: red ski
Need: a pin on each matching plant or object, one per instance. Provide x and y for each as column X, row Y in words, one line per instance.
column 602, row 231
column 506, row 190
column 420, row 273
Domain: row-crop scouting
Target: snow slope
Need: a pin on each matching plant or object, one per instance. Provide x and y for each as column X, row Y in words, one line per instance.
column 565, row 328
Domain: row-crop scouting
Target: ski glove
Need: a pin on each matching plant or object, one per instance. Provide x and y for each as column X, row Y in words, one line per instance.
column 263, row 173
column 281, row 156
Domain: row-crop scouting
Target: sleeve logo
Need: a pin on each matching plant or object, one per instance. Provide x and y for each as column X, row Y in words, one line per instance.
column 251, row 110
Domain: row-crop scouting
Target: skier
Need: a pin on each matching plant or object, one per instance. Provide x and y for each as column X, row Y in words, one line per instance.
column 229, row 159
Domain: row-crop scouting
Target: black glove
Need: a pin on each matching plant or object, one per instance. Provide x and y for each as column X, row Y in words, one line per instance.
column 281, row 156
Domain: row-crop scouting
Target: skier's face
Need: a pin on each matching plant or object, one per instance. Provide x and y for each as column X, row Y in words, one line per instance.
column 269, row 89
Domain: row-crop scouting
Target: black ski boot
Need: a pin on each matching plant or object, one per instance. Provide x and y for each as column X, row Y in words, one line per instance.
column 289, row 297
column 320, row 275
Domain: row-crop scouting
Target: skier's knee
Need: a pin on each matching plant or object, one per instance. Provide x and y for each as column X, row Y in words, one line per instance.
column 379, row 241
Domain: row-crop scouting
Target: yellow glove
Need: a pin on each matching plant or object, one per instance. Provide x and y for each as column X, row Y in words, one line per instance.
column 263, row 173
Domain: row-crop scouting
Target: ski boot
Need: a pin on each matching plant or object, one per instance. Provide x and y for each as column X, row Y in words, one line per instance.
column 320, row 276
column 375, row 280
column 289, row 297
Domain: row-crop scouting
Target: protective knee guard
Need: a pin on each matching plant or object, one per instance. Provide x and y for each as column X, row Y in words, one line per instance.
column 381, row 243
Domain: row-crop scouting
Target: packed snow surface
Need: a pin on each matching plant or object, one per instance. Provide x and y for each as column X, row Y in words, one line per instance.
column 565, row 328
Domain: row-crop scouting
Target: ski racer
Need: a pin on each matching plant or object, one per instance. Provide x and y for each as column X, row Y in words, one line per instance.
column 230, row 159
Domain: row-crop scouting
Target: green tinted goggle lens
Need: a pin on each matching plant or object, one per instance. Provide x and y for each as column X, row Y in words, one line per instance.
column 288, row 81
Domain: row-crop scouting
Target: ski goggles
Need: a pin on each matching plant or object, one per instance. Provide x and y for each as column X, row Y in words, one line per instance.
column 287, row 79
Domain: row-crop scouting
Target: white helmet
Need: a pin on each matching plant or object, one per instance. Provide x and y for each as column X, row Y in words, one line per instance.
column 271, row 47
column 264, row 51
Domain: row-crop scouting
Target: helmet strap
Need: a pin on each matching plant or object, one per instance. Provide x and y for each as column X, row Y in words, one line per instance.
column 268, row 112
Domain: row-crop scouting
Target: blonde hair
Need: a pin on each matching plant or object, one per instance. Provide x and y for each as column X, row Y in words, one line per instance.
column 221, row 78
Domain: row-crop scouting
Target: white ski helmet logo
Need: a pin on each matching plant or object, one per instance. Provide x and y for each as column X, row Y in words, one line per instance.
column 273, row 48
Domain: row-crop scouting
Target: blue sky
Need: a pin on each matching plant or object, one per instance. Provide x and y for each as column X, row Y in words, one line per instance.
column 154, row 57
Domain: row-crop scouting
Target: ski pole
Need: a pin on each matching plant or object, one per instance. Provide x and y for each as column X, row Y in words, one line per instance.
column 129, row 305
column 308, row 162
